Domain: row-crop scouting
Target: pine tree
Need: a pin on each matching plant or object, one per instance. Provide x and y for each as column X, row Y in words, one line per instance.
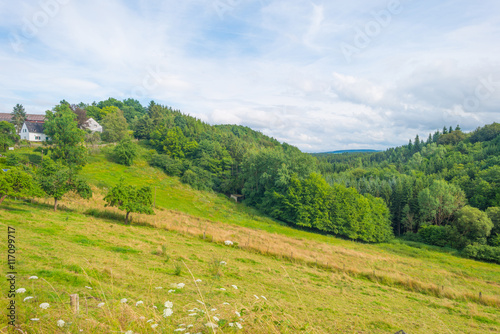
column 18, row 117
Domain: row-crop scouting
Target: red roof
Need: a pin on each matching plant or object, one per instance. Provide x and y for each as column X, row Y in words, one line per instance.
column 29, row 117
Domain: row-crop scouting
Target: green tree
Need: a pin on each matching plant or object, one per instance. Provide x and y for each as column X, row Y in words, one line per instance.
column 494, row 214
column 17, row 183
column 439, row 202
column 18, row 117
column 56, row 179
column 130, row 199
column 115, row 127
column 67, row 139
column 8, row 135
column 125, row 152
column 473, row 224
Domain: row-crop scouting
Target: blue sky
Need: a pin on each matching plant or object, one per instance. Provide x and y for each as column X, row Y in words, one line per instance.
column 321, row 75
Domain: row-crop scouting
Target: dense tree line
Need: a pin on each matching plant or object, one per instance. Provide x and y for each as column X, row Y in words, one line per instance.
column 431, row 187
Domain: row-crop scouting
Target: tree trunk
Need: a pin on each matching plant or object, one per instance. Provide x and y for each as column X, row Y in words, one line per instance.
column 2, row 198
column 55, row 204
column 126, row 217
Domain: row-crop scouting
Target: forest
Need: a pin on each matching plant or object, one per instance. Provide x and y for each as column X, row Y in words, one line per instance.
column 442, row 191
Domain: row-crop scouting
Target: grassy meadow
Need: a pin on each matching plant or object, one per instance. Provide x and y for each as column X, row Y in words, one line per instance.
column 285, row 280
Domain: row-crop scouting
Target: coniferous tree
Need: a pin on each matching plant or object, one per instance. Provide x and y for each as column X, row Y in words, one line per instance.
column 18, row 117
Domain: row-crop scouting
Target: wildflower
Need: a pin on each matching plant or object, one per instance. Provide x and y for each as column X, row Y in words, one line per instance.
column 222, row 289
column 60, row 323
column 100, row 304
column 264, row 297
column 88, row 287
column 33, row 277
column 225, row 303
column 189, row 326
column 170, row 291
column 198, row 280
column 231, row 324
column 167, row 312
column 239, row 325
column 159, row 288
column 27, row 298
column 256, row 296
column 140, row 302
column 192, row 314
column 129, row 332
column 123, row 301
column 234, row 286
column 153, row 326
column 35, row 319
column 238, row 314
column 223, row 263
column 180, row 285
column 211, row 325
column 228, row 243
column 169, row 304
column 21, row 290
column 181, row 325
column 44, row 306
column 216, row 319
column 199, row 301
column 179, row 330
column 142, row 318
column 150, row 320
column 213, row 310
column 155, row 307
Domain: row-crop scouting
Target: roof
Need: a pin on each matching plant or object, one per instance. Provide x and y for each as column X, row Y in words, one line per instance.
column 29, row 117
column 34, row 127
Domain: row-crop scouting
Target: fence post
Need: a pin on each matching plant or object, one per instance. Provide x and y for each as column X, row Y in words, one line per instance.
column 75, row 303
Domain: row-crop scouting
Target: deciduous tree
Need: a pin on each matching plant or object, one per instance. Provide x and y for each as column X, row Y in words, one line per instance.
column 130, row 199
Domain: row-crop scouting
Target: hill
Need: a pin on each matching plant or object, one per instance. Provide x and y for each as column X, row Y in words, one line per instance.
column 311, row 283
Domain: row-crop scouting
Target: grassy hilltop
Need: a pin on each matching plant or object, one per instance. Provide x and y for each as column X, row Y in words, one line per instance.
column 287, row 280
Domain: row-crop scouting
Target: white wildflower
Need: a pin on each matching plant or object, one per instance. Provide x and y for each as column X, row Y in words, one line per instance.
column 170, row 291
column 198, row 280
column 182, row 325
column 211, row 325
column 169, row 304
column 225, row 303
column 189, row 326
column 222, row 289
column 21, row 290
column 129, row 332
column 123, row 301
column 35, row 319
column 238, row 313
column 264, row 297
column 153, row 326
column 228, row 243
column 256, row 296
column 159, row 288
column 199, row 301
column 179, row 330
column 234, row 286
column 150, row 320
column 142, row 318
column 239, row 325
column 231, row 324
column 216, row 319
column 33, row 277
column 193, row 314
column 101, row 304
column 60, row 323
column 213, row 310
column 88, row 287
column 44, row 306
column 155, row 307
column 180, row 285
column 223, row 263
column 167, row 312
column 140, row 302
column 28, row 298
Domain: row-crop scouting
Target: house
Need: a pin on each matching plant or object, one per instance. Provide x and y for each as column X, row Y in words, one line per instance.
column 29, row 118
column 33, row 131
column 92, row 125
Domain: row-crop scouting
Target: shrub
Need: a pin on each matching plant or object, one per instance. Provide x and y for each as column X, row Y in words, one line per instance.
column 483, row 253
column 170, row 166
column 125, row 152
column 442, row 236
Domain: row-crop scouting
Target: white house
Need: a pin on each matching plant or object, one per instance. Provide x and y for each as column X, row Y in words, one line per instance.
column 33, row 132
column 92, row 125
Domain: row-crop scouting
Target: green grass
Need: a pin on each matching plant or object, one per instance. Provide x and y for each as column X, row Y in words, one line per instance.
column 313, row 283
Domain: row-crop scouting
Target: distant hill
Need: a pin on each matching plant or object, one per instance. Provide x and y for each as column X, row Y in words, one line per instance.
column 349, row 151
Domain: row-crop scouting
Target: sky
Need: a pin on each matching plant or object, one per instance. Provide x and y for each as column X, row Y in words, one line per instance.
column 320, row 75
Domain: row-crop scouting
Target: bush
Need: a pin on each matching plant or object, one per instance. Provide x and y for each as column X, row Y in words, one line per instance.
column 483, row 253
column 125, row 152
column 170, row 166
column 442, row 236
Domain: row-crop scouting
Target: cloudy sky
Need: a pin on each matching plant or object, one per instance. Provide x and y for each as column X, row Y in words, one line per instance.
column 321, row 75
